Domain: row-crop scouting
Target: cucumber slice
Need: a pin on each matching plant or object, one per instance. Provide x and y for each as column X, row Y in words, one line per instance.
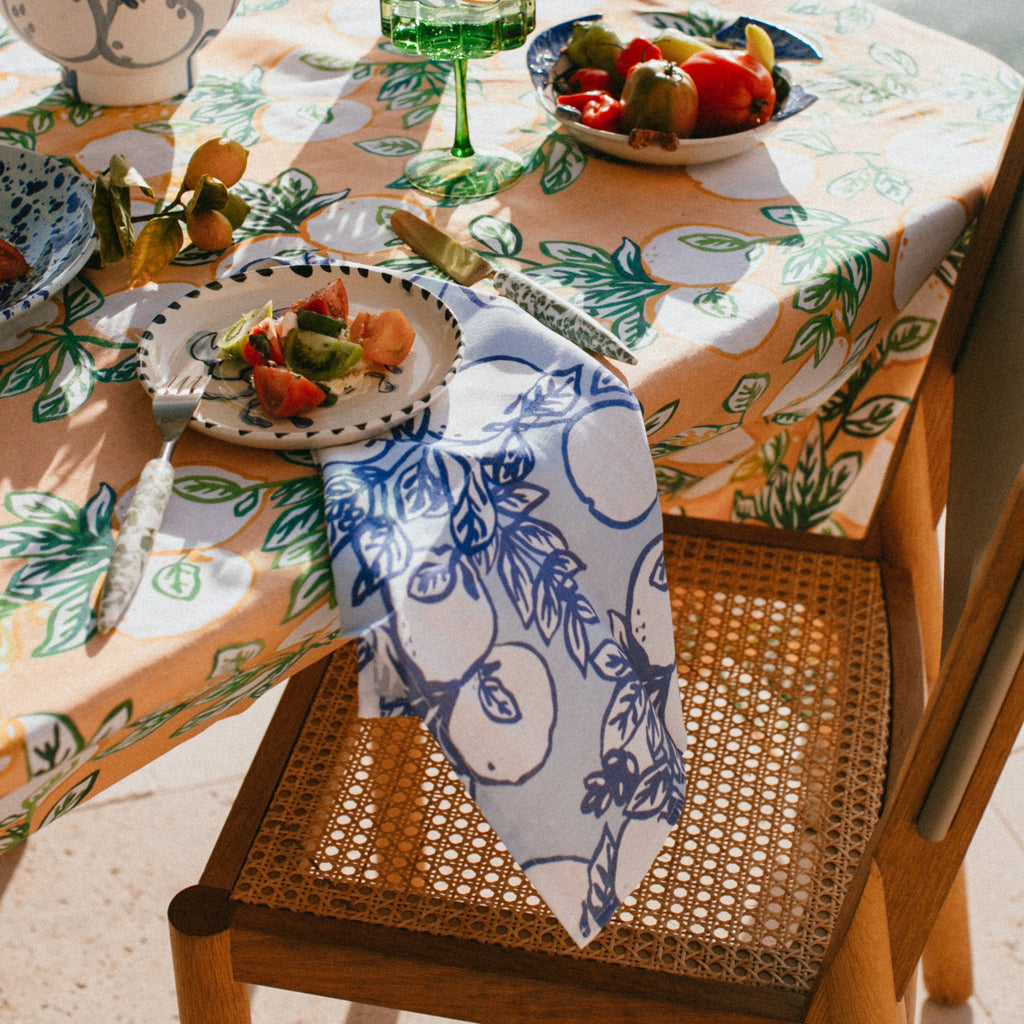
column 319, row 356
column 230, row 342
column 310, row 320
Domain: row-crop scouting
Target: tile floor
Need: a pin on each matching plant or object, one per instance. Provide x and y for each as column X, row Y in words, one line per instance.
column 82, row 914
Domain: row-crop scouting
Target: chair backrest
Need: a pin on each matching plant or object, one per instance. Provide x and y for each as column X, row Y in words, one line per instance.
column 976, row 711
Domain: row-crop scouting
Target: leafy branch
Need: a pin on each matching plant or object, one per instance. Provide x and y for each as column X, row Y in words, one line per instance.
column 203, row 206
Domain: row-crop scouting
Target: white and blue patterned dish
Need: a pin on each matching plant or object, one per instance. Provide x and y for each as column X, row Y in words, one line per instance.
column 548, row 66
column 186, row 332
column 46, row 214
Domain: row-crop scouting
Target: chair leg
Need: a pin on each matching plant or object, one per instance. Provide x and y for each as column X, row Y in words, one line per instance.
column 946, row 962
column 199, row 920
column 859, row 986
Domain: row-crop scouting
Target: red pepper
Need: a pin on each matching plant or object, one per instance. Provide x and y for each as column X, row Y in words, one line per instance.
column 734, row 91
column 636, row 52
column 598, row 109
column 604, row 114
column 592, row 79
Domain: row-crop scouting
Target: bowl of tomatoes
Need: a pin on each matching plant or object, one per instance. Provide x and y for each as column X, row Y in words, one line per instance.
column 670, row 89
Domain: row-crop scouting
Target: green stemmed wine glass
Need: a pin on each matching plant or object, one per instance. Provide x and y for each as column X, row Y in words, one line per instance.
column 458, row 30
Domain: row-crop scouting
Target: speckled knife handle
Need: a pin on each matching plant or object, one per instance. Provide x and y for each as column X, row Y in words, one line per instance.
column 135, row 541
column 553, row 311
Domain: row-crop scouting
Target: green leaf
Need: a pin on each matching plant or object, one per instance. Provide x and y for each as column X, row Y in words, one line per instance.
column 327, row 62
column 81, row 298
column 25, row 375
column 910, row 333
column 179, row 581
column 51, row 739
column 390, row 145
column 851, row 184
column 69, row 385
column 717, row 303
column 69, row 624
column 747, row 391
column 207, row 488
column 875, row 416
column 297, row 523
column 892, row 185
column 812, row 139
column 672, row 481
column 560, row 161
column 661, row 419
column 817, row 335
column 803, row 218
column 707, row 241
column 498, row 236
column 815, row 293
column 810, row 262
column 894, row 59
column 41, row 508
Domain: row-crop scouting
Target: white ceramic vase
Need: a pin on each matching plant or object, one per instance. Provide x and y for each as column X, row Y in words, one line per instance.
column 120, row 52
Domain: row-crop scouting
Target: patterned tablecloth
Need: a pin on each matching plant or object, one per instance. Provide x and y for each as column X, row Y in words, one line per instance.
column 781, row 305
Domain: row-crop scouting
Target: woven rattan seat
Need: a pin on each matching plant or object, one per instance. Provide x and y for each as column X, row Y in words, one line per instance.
column 783, row 663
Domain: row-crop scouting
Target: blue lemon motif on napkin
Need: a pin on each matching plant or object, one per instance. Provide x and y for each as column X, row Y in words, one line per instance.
column 500, row 559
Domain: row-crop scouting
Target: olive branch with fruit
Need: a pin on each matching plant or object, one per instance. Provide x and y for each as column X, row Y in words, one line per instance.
column 203, row 206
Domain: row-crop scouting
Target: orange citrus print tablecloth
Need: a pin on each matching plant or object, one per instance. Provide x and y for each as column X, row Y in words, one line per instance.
column 781, row 305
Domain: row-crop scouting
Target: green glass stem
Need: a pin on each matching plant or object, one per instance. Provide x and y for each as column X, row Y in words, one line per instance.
column 462, row 147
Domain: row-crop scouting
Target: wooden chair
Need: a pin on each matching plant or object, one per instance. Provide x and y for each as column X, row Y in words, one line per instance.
column 827, row 814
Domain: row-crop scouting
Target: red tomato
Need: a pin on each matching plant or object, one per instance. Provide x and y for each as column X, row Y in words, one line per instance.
column 387, row 337
column 735, row 91
column 263, row 345
column 283, row 393
column 331, row 300
column 591, row 79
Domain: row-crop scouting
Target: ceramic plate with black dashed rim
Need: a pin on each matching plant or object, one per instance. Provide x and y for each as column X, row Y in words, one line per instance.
column 184, row 335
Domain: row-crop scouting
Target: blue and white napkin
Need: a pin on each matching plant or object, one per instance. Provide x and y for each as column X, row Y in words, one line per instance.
column 500, row 558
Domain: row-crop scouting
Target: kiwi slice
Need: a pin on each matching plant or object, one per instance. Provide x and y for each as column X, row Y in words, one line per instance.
column 319, row 356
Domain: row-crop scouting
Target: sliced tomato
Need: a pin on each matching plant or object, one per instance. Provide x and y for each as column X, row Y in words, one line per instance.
column 360, row 327
column 283, row 393
column 331, row 300
column 388, row 337
column 263, row 345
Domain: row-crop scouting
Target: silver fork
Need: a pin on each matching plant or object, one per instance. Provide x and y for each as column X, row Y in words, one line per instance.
column 173, row 406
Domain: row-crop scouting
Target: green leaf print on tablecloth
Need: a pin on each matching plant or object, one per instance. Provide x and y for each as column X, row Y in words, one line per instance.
column 804, row 495
column 65, row 551
column 830, row 268
column 59, row 364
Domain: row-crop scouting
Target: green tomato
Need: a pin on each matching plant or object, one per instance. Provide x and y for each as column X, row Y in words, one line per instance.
column 659, row 96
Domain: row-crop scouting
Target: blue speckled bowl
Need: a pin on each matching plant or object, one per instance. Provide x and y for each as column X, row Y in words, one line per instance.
column 45, row 213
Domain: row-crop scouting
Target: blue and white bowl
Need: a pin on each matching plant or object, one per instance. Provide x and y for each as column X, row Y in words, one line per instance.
column 120, row 53
column 549, row 70
column 46, row 214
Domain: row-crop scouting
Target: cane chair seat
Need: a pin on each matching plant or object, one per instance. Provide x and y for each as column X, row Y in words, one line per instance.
column 783, row 664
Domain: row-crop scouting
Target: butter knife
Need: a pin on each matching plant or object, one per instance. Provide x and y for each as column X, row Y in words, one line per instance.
column 173, row 406
column 467, row 268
